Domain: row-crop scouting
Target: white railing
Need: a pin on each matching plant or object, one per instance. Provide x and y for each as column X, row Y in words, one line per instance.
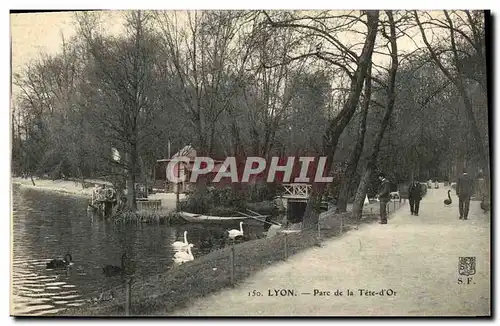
column 297, row 190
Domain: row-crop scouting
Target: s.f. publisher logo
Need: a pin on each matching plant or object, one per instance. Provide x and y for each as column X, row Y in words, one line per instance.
column 467, row 268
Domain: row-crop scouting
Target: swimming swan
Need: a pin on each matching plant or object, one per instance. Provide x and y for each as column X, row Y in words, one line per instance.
column 236, row 233
column 184, row 256
column 180, row 244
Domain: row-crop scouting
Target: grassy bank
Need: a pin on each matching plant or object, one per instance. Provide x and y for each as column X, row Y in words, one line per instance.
column 175, row 288
column 148, row 217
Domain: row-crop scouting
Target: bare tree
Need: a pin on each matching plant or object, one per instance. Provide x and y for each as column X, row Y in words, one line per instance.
column 121, row 71
column 343, row 58
column 467, row 27
column 358, row 148
column 46, row 103
column 391, row 98
column 201, row 54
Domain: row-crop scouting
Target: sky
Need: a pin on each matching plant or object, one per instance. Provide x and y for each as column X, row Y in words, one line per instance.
column 33, row 33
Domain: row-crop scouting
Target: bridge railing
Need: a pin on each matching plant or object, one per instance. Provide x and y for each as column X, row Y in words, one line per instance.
column 297, row 189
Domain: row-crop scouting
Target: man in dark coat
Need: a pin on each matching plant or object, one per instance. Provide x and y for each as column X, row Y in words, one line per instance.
column 384, row 197
column 465, row 186
column 414, row 197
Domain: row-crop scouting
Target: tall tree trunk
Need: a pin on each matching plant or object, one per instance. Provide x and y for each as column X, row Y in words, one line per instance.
column 345, row 187
column 416, row 168
column 391, row 98
column 146, row 171
column 338, row 124
column 132, row 167
column 82, row 177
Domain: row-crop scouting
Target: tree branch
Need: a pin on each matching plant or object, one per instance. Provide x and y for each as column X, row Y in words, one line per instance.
column 327, row 36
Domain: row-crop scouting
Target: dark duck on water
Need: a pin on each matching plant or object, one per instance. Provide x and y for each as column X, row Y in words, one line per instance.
column 60, row 263
column 448, row 200
column 110, row 270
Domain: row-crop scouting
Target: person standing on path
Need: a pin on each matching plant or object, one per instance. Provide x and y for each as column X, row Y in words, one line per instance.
column 464, row 192
column 414, row 197
column 483, row 192
column 383, row 196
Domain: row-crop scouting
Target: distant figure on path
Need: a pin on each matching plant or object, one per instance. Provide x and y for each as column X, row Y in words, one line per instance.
column 414, row 197
column 383, row 196
column 483, row 192
column 464, row 192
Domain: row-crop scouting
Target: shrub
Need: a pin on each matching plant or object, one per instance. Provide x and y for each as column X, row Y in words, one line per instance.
column 261, row 192
column 149, row 217
column 202, row 201
column 223, row 211
column 227, row 197
column 228, row 201
column 265, row 207
column 198, row 202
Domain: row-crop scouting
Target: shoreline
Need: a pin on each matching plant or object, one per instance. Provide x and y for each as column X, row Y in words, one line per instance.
column 74, row 188
column 57, row 186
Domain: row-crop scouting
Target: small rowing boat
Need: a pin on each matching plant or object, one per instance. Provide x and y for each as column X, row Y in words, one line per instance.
column 200, row 218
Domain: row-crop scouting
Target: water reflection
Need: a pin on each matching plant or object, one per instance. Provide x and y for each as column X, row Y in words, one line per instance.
column 47, row 226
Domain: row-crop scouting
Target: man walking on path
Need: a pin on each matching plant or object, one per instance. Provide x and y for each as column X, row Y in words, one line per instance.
column 383, row 196
column 414, row 197
column 464, row 192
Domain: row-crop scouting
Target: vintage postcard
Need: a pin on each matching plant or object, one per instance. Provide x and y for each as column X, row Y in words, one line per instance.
column 251, row 163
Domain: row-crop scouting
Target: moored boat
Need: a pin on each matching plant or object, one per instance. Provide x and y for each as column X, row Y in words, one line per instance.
column 200, row 218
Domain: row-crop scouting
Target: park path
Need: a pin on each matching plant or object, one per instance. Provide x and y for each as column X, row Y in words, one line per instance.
column 415, row 256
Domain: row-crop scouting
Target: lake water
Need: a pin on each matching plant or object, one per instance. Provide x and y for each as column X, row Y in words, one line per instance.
column 47, row 226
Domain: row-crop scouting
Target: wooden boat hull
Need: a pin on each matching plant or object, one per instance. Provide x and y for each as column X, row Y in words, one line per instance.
column 200, row 218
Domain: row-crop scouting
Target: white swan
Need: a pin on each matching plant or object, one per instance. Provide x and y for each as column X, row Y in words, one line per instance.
column 236, row 233
column 184, row 256
column 181, row 245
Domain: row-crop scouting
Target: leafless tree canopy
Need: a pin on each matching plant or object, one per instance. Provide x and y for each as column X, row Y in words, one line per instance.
column 402, row 92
